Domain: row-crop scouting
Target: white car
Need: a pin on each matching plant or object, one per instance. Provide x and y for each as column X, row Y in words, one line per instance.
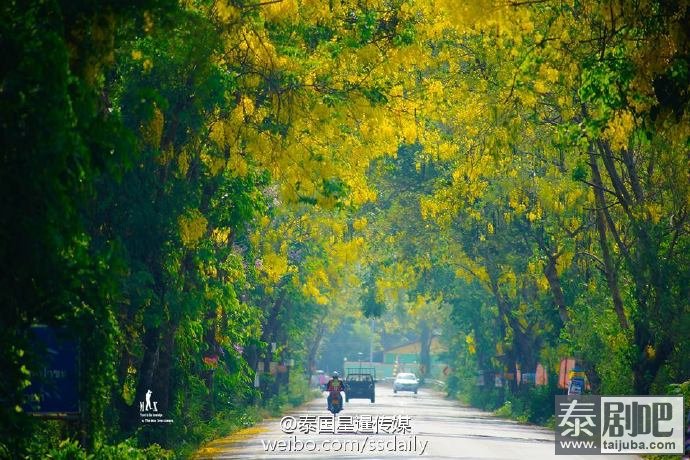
column 406, row 382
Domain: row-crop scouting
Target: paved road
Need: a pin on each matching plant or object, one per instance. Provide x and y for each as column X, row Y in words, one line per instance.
column 439, row 429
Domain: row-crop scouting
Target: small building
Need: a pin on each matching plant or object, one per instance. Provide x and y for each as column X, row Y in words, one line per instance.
column 406, row 358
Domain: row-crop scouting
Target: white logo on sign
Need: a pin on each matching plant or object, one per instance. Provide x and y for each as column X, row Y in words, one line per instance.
column 148, row 405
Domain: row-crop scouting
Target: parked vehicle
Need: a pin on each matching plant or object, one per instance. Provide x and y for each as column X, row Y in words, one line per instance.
column 360, row 384
column 406, row 381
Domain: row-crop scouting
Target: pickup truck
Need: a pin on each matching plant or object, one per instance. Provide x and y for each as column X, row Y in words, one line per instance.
column 360, row 383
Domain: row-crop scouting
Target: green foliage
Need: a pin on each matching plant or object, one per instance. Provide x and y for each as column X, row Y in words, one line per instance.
column 681, row 389
column 299, row 391
column 505, row 411
column 531, row 405
column 184, row 183
column 70, row 449
column 490, row 399
column 599, row 338
column 127, row 450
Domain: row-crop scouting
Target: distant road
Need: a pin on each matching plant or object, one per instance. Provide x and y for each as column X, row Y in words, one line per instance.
column 440, row 429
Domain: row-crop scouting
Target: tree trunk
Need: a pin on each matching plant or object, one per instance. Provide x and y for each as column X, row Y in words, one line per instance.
column 425, row 339
column 269, row 336
column 555, row 287
column 523, row 352
column 147, row 369
column 315, row 345
column 609, row 267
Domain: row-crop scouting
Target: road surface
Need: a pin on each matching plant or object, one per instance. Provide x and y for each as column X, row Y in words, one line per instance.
column 440, row 429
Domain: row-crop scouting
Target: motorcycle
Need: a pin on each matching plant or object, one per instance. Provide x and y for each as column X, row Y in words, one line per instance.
column 335, row 402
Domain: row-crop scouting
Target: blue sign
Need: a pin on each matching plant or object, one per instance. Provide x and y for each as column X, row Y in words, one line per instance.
column 54, row 385
column 577, row 386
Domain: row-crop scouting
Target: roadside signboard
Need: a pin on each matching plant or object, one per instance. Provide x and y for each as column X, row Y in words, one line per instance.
column 578, row 381
column 54, row 390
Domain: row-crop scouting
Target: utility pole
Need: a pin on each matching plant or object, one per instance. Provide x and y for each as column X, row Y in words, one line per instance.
column 371, row 342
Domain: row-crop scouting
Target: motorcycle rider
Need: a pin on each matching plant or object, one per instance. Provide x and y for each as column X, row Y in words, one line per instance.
column 335, row 385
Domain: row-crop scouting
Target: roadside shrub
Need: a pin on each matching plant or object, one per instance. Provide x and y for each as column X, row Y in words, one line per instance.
column 70, row 449
column 539, row 403
column 128, row 450
column 487, row 399
column 505, row 411
column 529, row 404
